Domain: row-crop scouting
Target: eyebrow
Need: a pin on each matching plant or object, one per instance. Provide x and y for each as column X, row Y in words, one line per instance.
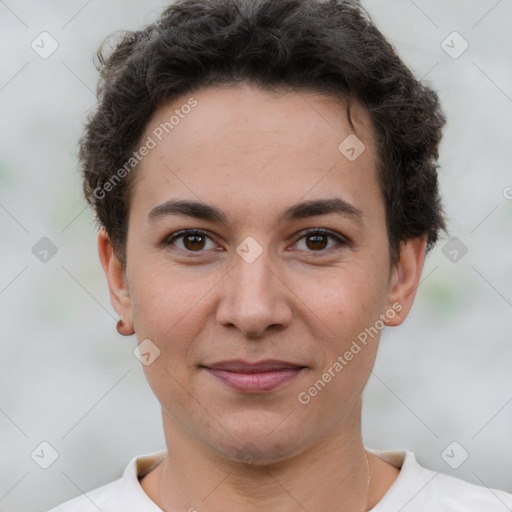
column 298, row 211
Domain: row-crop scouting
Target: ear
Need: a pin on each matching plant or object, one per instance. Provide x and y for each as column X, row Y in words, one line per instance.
column 405, row 277
column 116, row 278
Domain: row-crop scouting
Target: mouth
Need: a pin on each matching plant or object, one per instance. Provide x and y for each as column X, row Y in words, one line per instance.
column 255, row 377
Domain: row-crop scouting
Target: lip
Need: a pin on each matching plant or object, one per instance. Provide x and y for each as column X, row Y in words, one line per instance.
column 257, row 377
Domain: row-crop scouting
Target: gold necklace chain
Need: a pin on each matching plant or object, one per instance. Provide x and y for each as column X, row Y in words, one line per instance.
column 369, row 481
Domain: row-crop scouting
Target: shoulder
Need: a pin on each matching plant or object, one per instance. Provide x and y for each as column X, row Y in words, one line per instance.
column 119, row 495
column 457, row 495
column 419, row 489
column 108, row 497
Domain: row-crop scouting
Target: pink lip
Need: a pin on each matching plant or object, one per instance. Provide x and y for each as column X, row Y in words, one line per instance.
column 254, row 377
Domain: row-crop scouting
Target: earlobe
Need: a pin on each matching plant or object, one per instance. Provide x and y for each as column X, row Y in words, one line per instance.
column 116, row 280
column 405, row 278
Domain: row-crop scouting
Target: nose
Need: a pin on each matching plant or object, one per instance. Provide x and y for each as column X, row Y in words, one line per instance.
column 255, row 298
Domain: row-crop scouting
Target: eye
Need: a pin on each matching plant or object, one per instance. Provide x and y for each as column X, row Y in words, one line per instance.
column 317, row 239
column 193, row 240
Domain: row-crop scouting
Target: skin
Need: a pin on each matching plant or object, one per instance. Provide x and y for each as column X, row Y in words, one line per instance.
column 253, row 154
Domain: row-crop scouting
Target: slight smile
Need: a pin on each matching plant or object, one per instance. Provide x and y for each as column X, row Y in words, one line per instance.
column 257, row 377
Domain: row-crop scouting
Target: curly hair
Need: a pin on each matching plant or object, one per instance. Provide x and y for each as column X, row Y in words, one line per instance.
column 330, row 46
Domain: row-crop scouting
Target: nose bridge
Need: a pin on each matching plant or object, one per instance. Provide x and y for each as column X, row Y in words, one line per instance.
column 252, row 280
column 253, row 268
column 254, row 296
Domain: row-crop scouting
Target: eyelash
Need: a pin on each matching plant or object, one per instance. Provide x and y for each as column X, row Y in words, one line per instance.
column 341, row 240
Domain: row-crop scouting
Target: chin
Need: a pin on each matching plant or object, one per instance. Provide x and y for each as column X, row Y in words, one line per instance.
column 261, row 446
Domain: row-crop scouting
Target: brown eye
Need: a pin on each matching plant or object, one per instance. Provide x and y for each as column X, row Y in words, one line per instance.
column 192, row 240
column 317, row 240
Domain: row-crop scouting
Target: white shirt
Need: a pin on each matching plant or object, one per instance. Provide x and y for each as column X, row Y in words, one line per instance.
column 415, row 490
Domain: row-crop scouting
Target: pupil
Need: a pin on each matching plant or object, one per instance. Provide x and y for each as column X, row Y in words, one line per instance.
column 316, row 238
column 198, row 241
column 194, row 244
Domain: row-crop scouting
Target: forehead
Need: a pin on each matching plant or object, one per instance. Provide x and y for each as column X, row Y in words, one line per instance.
column 228, row 110
column 265, row 147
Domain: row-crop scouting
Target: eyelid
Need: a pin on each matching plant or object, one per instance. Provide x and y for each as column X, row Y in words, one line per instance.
column 324, row 231
column 341, row 240
column 168, row 240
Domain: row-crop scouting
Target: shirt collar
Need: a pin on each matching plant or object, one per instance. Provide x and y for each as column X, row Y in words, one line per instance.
column 402, row 489
column 134, row 495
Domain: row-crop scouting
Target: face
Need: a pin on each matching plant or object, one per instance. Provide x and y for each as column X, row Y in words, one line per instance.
column 288, row 261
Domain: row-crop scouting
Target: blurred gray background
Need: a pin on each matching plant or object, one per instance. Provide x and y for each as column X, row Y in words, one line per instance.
column 68, row 379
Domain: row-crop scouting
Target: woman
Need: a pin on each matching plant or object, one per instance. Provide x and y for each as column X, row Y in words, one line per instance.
column 264, row 177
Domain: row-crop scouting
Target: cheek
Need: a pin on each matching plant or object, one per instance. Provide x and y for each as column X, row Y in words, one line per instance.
column 163, row 297
column 344, row 308
column 345, row 313
column 169, row 309
column 345, row 299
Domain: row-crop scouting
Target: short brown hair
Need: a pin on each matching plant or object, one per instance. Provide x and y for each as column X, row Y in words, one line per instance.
column 328, row 46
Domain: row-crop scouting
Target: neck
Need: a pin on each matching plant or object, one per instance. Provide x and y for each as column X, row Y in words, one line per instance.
column 332, row 474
